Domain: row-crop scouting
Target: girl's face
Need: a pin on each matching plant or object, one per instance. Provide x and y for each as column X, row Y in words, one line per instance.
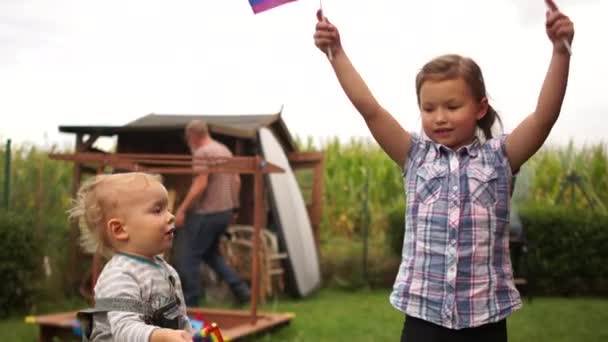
column 450, row 112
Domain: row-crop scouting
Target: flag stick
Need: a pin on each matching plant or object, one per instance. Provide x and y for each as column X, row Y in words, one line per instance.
column 567, row 45
column 329, row 53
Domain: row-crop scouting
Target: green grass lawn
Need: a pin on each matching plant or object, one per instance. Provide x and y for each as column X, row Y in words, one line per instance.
column 333, row 315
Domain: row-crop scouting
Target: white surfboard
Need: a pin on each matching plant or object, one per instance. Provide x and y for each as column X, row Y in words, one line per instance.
column 291, row 216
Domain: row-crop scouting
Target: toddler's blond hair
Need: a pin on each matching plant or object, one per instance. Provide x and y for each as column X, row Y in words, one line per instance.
column 95, row 200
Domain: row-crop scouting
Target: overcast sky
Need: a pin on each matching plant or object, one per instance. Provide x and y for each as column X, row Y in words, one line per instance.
column 84, row 62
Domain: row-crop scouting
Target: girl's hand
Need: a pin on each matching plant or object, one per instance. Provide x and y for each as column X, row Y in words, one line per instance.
column 326, row 35
column 559, row 28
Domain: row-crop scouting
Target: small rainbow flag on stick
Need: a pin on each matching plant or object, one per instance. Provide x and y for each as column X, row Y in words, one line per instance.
column 205, row 332
column 263, row 5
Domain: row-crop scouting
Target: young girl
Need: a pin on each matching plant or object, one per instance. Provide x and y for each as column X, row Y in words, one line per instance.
column 138, row 296
column 455, row 281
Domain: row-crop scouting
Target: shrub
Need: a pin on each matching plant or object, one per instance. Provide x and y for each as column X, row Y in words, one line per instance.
column 568, row 254
column 20, row 262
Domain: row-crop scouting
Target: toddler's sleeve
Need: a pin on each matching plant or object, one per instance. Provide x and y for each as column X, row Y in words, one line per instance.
column 125, row 326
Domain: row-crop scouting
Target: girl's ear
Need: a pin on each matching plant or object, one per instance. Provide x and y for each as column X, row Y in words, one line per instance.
column 116, row 230
column 483, row 108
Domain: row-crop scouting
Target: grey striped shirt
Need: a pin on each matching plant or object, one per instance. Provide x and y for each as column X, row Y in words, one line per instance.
column 132, row 277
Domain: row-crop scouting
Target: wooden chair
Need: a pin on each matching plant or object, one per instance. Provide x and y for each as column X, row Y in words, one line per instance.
column 238, row 251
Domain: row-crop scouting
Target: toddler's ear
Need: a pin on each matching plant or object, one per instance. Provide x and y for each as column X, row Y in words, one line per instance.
column 116, row 230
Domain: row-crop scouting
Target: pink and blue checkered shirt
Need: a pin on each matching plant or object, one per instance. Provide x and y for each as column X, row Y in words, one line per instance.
column 456, row 270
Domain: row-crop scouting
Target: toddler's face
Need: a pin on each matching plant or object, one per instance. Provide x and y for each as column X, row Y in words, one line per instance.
column 146, row 218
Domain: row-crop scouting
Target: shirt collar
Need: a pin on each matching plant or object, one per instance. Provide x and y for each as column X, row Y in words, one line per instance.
column 471, row 149
column 140, row 259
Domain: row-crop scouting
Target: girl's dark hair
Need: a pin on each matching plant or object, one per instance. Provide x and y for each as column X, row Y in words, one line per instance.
column 454, row 66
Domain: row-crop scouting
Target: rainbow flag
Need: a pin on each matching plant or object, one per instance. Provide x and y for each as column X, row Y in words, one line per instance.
column 263, row 5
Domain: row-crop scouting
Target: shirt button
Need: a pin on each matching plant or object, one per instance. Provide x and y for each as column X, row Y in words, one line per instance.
column 455, row 188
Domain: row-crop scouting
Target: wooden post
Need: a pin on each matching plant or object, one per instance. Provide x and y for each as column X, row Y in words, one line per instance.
column 72, row 274
column 316, row 162
column 96, row 267
column 258, row 214
column 77, row 171
column 317, row 200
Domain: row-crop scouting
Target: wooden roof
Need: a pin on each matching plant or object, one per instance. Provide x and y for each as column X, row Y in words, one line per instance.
column 241, row 126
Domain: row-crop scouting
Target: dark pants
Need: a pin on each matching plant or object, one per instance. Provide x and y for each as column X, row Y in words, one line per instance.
column 415, row 330
column 199, row 241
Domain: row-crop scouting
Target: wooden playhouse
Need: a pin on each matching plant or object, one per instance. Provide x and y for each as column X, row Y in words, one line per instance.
column 155, row 143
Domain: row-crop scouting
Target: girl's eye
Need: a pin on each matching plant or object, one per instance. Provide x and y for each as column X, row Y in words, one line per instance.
column 158, row 210
column 453, row 107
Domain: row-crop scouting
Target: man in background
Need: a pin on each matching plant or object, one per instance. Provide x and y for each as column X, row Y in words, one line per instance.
column 204, row 216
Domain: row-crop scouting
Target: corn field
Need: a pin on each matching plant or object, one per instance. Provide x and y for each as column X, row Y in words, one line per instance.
column 554, row 176
column 41, row 187
column 547, row 176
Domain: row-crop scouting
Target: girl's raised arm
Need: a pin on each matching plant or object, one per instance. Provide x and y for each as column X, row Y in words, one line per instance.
column 393, row 139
